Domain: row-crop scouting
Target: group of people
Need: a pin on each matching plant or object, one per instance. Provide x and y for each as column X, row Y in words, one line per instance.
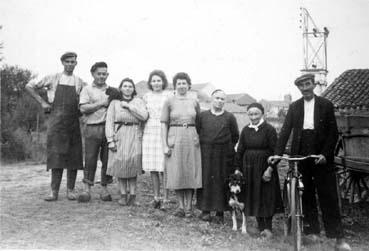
column 166, row 134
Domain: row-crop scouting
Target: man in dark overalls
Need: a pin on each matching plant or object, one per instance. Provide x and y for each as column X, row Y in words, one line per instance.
column 64, row 144
column 314, row 131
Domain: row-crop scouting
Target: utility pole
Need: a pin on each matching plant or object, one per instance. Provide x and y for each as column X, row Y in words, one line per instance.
column 314, row 50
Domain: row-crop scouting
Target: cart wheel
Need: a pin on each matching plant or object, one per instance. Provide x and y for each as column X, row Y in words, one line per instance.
column 353, row 185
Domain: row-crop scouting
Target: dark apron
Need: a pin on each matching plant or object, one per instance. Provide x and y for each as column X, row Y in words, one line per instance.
column 64, row 143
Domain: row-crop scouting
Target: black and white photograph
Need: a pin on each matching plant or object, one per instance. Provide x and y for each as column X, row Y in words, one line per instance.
column 184, row 125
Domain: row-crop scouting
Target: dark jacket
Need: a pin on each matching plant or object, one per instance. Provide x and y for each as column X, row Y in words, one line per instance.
column 324, row 123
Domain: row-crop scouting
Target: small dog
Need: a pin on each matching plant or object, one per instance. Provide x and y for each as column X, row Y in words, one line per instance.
column 236, row 182
column 113, row 93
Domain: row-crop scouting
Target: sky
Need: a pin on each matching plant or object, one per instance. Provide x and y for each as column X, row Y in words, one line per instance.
column 236, row 45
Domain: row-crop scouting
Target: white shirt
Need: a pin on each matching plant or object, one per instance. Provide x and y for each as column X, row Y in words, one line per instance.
column 309, row 114
column 67, row 80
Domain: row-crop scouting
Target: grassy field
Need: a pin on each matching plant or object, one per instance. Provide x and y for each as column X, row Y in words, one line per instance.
column 28, row 222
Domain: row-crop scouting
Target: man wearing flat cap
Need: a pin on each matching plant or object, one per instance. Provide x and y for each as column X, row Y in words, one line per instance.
column 314, row 131
column 64, row 144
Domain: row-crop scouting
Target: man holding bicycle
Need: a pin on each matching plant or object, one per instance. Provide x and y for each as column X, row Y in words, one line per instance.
column 314, row 131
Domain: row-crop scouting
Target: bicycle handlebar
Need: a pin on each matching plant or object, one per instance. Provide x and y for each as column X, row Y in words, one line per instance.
column 297, row 157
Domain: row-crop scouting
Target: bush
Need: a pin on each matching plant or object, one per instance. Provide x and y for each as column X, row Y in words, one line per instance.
column 20, row 116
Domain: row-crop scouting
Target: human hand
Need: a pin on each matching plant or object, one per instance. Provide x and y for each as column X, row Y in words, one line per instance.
column 124, row 104
column 167, row 151
column 272, row 160
column 321, row 160
column 267, row 175
column 237, row 172
column 46, row 107
column 105, row 102
column 112, row 146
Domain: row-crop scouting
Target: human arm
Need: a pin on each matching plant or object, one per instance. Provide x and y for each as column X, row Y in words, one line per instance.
column 86, row 106
column 331, row 132
column 31, row 90
column 241, row 148
column 165, row 120
column 110, row 126
column 283, row 137
column 235, row 133
column 272, row 140
column 137, row 107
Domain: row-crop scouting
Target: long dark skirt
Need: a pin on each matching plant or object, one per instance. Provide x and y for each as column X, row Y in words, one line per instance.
column 262, row 199
column 217, row 163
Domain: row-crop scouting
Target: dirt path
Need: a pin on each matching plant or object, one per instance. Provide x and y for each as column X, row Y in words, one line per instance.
column 27, row 222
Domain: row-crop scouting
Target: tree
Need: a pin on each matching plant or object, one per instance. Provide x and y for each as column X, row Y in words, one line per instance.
column 19, row 112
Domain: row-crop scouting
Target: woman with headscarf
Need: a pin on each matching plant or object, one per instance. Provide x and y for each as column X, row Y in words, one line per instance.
column 219, row 133
column 257, row 142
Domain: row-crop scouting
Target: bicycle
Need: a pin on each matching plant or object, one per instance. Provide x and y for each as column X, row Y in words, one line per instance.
column 292, row 199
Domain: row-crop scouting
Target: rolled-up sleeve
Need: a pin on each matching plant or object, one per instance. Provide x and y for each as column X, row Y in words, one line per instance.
column 109, row 124
column 84, row 97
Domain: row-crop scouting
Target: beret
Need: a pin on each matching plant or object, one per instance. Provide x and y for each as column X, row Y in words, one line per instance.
column 304, row 77
column 68, row 55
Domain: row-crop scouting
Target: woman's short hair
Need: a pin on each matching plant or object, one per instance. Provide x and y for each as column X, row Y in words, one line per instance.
column 160, row 74
column 256, row 105
column 130, row 81
column 181, row 76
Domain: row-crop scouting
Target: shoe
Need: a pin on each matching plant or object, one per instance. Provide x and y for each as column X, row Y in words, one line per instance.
column 105, row 196
column 189, row 214
column 205, row 216
column 84, row 197
column 341, row 245
column 52, row 197
column 110, row 180
column 132, row 200
column 156, row 204
column 123, row 200
column 266, row 234
column 71, row 194
column 311, row 239
column 179, row 213
column 218, row 219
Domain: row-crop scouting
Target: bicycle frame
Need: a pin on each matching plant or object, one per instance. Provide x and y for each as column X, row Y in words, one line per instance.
column 292, row 196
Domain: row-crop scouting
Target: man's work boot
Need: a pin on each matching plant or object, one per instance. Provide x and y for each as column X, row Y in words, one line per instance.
column 52, row 197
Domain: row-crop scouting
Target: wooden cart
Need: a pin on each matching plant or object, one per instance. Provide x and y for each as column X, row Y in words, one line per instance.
column 352, row 157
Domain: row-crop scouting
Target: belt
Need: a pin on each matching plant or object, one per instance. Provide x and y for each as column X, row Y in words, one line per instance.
column 99, row 124
column 181, row 125
column 120, row 124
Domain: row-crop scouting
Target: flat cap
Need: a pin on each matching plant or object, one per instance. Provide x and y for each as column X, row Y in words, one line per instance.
column 304, row 77
column 68, row 54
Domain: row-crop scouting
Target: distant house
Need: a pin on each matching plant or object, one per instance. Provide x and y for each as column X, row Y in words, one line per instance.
column 242, row 99
column 199, row 91
column 349, row 93
column 274, row 107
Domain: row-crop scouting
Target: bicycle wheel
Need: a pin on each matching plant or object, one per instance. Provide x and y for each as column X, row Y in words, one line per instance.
column 296, row 220
column 287, row 209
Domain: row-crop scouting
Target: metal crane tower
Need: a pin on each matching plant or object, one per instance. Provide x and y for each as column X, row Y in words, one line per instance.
column 314, row 50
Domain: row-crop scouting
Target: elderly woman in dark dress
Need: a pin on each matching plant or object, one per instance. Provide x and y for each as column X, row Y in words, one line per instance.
column 219, row 133
column 257, row 142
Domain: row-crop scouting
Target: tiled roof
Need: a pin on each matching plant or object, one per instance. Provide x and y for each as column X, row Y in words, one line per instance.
column 240, row 99
column 350, row 90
